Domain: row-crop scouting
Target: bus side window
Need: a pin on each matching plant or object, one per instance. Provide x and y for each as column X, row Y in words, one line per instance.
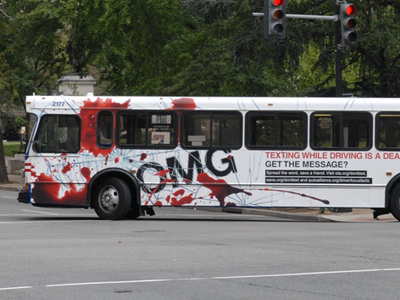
column 146, row 129
column 226, row 130
column 326, row 131
column 342, row 130
column 267, row 130
column 196, row 130
column 104, row 130
column 161, row 129
column 388, row 133
column 262, row 130
column 357, row 130
column 58, row 134
column 212, row 129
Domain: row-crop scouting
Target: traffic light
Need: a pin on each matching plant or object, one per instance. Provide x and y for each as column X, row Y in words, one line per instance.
column 275, row 19
column 348, row 23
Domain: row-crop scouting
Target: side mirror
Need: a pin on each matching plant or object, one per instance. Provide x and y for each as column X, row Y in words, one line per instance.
column 36, row 146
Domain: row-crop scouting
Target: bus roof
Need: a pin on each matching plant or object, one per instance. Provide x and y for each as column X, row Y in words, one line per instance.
column 48, row 104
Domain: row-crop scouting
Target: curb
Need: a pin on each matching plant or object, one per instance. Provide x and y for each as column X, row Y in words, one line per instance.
column 269, row 213
column 277, row 214
column 9, row 188
column 285, row 215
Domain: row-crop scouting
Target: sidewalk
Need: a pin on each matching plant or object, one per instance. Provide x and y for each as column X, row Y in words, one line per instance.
column 307, row 214
column 14, row 185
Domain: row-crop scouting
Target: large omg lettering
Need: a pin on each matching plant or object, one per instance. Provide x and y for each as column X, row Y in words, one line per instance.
column 177, row 174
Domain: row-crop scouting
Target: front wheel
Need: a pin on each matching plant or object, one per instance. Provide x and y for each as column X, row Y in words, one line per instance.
column 112, row 199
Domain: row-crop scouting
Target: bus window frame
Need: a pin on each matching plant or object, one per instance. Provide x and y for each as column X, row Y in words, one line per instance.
column 40, row 126
column 211, row 114
column 377, row 132
column 99, row 114
column 275, row 114
column 147, row 144
column 341, row 115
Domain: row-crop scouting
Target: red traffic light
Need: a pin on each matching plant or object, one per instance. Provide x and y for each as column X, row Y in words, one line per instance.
column 279, row 2
column 351, row 23
column 275, row 19
column 348, row 23
column 278, row 14
column 351, row 10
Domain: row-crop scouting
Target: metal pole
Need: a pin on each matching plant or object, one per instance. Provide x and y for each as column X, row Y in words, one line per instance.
column 304, row 17
column 338, row 54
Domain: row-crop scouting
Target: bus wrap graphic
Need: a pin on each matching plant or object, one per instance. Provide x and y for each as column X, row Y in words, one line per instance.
column 244, row 152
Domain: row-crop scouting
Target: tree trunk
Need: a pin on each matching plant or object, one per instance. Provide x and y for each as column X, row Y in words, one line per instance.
column 3, row 169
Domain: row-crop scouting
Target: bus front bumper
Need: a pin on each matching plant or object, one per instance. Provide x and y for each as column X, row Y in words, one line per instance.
column 23, row 197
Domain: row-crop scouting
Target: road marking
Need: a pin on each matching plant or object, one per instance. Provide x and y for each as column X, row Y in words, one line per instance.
column 73, row 219
column 16, row 288
column 219, row 278
column 8, row 197
column 40, row 212
column 201, row 278
column 307, row 274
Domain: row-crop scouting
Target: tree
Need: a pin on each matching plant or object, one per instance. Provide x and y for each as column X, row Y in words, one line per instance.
column 32, row 51
column 377, row 55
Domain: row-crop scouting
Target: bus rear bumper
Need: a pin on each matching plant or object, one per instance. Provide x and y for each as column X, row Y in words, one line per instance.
column 23, row 197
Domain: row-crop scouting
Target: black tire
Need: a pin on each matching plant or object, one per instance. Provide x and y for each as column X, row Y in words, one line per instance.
column 395, row 202
column 112, row 199
column 134, row 213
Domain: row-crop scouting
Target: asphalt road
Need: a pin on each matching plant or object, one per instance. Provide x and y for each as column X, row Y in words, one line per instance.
column 192, row 254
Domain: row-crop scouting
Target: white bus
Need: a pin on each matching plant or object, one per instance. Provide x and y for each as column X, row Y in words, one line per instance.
column 124, row 155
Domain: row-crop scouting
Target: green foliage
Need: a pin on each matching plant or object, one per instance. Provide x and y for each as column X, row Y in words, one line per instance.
column 194, row 47
column 378, row 51
column 32, row 51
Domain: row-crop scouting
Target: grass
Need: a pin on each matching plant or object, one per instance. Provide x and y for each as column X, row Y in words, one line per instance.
column 9, row 147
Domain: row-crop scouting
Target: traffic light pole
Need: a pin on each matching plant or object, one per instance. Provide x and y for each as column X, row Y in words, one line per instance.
column 338, row 54
column 338, row 50
column 344, row 28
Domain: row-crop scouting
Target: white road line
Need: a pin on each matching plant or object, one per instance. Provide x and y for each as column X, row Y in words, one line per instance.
column 8, row 197
column 220, row 278
column 307, row 274
column 40, row 212
column 16, row 288
column 45, row 221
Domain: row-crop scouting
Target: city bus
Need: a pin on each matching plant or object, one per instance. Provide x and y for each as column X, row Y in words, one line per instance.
column 122, row 156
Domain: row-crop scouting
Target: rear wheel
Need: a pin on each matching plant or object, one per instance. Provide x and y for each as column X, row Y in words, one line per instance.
column 112, row 199
column 395, row 202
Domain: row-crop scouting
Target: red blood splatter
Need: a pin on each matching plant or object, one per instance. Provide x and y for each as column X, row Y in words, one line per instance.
column 86, row 173
column 162, row 173
column 116, row 160
column 88, row 114
column 166, row 180
column 158, row 203
column 131, row 160
column 143, row 156
column 184, row 200
column 219, row 187
column 183, row 104
column 67, row 168
column 180, row 192
column 46, row 191
column 230, row 157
